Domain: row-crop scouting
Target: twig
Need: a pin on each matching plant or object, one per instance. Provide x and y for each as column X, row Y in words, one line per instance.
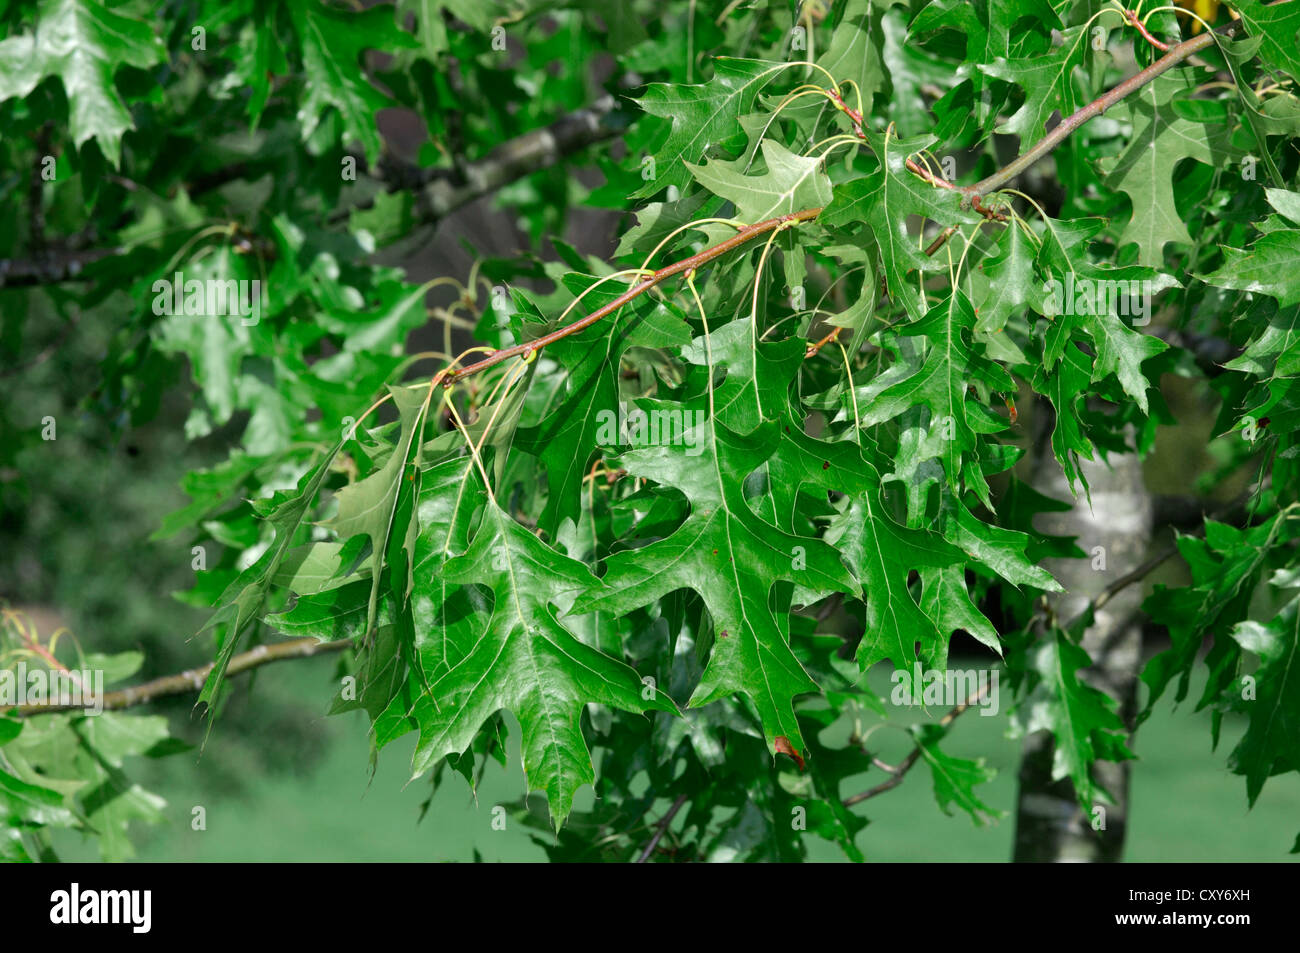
column 814, row 348
column 1133, row 21
column 1095, row 108
column 191, row 681
column 660, row 828
column 1144, row 569
column 747, row 234
column 1136, row 574
column 897, row 774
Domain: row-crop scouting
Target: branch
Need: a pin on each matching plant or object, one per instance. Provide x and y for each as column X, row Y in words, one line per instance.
column 897, row 774
column 1136, row 574
column 1234, row 511
column 529, row 153
column 1131, row 18
column 50, row 268
column 660, row 828
column 528, row 349
column 440, row 192
column 1095, row 108
column 191, row 681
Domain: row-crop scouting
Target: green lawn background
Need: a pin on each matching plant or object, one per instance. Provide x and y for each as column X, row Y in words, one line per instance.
column 1186, row 806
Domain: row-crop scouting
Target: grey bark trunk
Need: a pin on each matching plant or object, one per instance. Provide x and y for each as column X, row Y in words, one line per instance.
column 1051, row 826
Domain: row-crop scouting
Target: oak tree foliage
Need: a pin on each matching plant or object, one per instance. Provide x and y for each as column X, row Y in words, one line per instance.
column 671, row 543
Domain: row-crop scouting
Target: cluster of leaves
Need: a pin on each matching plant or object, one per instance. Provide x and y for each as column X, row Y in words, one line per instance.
column 65, row 770
column 700, row 601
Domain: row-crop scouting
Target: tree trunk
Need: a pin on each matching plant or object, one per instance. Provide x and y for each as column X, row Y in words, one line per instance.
column 1050, row 823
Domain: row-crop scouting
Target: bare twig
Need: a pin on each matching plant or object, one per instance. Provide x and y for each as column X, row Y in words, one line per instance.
column 660, row 828
column 1111, row 97
column 747, row 234
column 896, row 774
column 191, row 681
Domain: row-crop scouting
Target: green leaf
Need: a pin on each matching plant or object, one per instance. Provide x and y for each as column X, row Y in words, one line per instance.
column 884, row 200
column 1278, row 26
column 731, row 558
column 955, row 778
column 1268, row 267
column 1225, row 568
column 528, row 662
column 941, row 383
column 1001, row 550
column 855, row 52
column 1010, row 276
column 1048, row 83
column 234, row 615
column 658, row 220
column 332, row 44
column 1271, row 744
column 1286, row 202
column 1066, row 386
column 30, row 804
column 1275, row 349
column 1159, row 141
column 369, row 507
column 882, row 555
column 701, row 117
column 83, row 43
column 566, row 439
column 1080, row 295
column 790, row 183
column 1083, row 720
column 946, row 600
column 71, row 772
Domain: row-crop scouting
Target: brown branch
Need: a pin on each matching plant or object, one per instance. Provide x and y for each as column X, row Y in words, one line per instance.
column 191, row 681
column 896, row 774
column 1235, row 511
column 1095, row 108
column 746, row 234
column 815, row 348
column 1136, row 574
column 440, row 192
column 1132, row 18
column 660, row 828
